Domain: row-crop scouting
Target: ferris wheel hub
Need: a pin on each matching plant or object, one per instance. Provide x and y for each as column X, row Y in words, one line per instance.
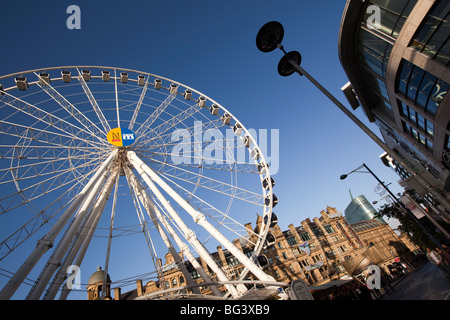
column 121, row 137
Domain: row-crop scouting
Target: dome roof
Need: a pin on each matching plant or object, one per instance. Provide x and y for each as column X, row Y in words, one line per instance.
column 98, row 276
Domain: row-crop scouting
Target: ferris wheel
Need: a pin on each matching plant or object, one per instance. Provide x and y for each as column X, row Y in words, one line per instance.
column 92, row 152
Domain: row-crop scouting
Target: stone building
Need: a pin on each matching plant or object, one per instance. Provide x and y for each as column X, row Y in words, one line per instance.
column 95, row 285
column 312, row 251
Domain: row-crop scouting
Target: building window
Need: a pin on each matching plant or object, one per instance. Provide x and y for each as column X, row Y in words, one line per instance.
column 393, row 15
column 417, row 136
column 317, row 232
column 335, row 238
column 421, row 87
column 305, row 236
column 432, row 36
column 374, row 51
column 329, row 229
column 277, row 274
column 291, row 241
column 416, row 118
column 232, row 261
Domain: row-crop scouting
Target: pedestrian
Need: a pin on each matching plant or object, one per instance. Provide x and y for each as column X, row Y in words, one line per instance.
column 386, row 281
column 363, row 293
column 435, row 258
column 445, row 254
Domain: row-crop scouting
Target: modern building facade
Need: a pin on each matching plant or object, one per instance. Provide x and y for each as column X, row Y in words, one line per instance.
column 360, row 209
column 396, row 54
column 312, row 251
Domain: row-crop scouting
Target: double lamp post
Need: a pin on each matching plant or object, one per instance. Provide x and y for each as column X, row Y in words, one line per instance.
column 268, row 39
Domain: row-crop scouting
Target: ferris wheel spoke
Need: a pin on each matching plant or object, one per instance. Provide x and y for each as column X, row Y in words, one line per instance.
column 139, row 103
column 46, row 168
column 40, row 219
column 43, row 187
column 223, row 219
column 172, row 122
column 42, row 137
column 195, row 131
column 212, row 184
column 47, row 162
column 43, row 117
column 198, row 218
column 71, row 109
column 93, row 102
column 202, row 162
column 146, row 126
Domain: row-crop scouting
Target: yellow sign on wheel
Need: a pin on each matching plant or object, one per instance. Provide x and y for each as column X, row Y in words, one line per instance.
column 121, row 137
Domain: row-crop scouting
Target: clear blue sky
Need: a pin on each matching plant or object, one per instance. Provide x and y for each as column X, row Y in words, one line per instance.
column 210, row 46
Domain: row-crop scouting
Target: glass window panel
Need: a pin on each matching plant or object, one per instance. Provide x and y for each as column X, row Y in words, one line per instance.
column 425, row 32
column 429, row 144
column 437, row 95
column 398, row 27
column 438, row 38
column 443, row 55
column 441, row 9
column 382, row 87
column 425, row 88
column 421, row 139
column 395, row 6
column 373, row 42
column 405, row 109
column 420, row 120
column 408, row 8
column 412, row 116
column 414, row 82
column 388, row 21
column 373, row 61
column 430, row 128
column 387, row 104
column 405, row 73
column 431, row 107
column 432, row 36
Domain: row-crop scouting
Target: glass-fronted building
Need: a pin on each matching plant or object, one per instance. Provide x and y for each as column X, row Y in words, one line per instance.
column 360, row 209
column 396, row 54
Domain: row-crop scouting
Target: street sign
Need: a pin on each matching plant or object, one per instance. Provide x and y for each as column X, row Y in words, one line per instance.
column 300, row 291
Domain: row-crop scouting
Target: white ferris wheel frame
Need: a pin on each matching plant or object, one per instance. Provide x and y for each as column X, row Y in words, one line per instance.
column 97, row 189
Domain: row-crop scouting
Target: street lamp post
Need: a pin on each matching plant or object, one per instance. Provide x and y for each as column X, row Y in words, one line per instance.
column 269, row 38
column 402, row 205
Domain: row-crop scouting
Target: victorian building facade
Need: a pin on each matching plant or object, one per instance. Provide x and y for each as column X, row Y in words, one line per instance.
column 313, row 251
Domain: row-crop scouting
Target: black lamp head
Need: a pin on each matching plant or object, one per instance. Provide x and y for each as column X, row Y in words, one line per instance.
column 269, row 36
